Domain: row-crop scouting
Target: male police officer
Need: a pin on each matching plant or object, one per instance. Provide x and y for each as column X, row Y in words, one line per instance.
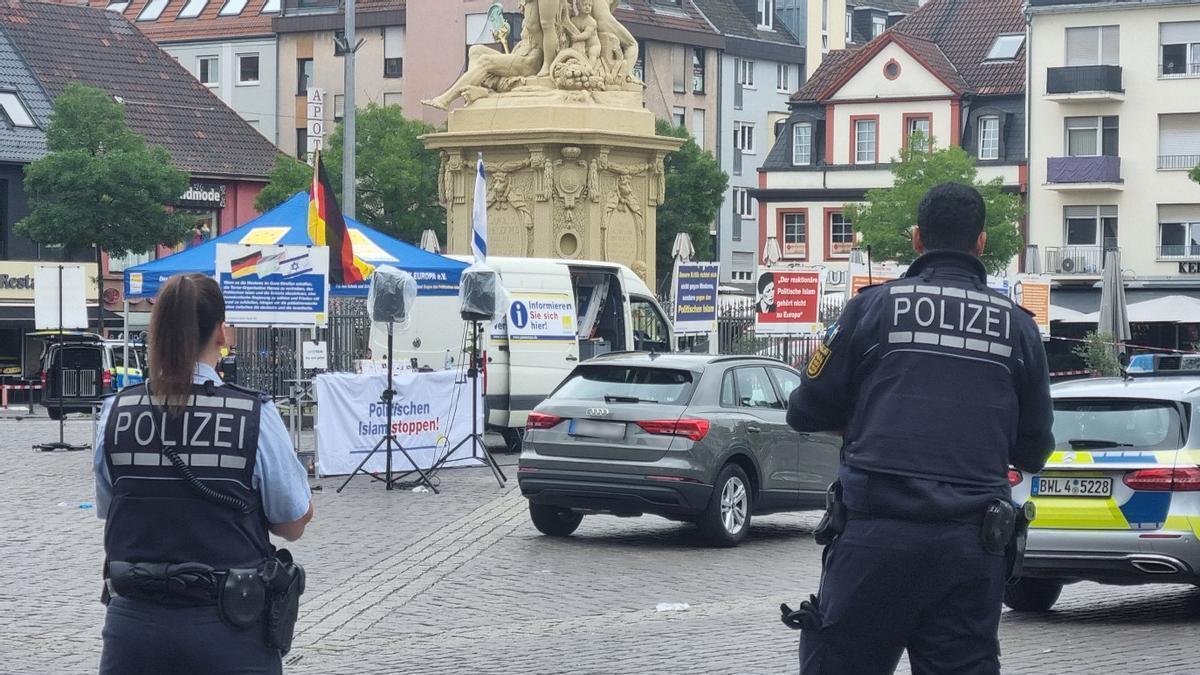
column 939, row 385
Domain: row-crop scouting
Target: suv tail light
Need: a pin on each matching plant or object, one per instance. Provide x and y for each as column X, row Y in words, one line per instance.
column 537, row 420
column 692, row 429
column 1186, row 479
column 1014, row 477
column 45, row 378
column 107, row 378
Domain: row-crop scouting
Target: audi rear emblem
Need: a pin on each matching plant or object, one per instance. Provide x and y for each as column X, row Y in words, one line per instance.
column 598, row 412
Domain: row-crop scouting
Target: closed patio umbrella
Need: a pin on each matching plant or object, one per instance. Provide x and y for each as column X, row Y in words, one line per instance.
column 1114, row 315
column 429, row 241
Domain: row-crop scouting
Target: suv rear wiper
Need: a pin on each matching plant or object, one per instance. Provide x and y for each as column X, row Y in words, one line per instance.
column 613, row 398
column 1085, row 443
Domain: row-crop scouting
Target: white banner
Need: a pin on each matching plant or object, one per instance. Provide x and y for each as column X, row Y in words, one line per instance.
column 60, row 308
column 431, row 414
column 282, row 286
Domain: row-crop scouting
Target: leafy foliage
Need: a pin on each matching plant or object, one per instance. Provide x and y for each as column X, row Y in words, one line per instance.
column 397, row 175
column 1194, row 174
column 695, row 186
column 888, row 215
column 101, row 184
column 1098, row 354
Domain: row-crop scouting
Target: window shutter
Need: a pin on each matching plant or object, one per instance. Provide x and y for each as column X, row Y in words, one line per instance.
column 1179, row 134
column 1180, row 32
column 1082, row 46
column 1110, row 43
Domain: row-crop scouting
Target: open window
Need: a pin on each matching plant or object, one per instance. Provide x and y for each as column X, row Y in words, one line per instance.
column 650, row 331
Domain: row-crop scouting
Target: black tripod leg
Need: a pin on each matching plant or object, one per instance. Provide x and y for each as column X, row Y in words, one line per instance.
column 487, row 456
column 359, row 469
column 424, row 477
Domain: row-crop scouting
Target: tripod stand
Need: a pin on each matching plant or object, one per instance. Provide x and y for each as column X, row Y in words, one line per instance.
column 389, row 439
column 476, row 436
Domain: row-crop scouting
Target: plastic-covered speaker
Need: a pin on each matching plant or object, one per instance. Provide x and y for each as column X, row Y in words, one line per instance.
column 391, row 297
column 481, row 297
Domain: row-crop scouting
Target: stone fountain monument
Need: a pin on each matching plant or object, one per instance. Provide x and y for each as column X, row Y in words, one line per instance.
column 574, row 169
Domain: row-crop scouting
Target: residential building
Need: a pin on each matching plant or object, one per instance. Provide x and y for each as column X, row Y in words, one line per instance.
column 954, row 70
column 44, row 47
column 1114, row 110
column 310, row 58
column 760, row 67
column 867, row 19
column 228, row 45
column 821, row 26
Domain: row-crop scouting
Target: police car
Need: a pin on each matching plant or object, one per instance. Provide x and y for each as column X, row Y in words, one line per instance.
column 1119, row 500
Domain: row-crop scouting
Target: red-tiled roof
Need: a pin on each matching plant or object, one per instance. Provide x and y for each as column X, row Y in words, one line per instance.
column 168, row 27
column 163, row 102
column 951, row 38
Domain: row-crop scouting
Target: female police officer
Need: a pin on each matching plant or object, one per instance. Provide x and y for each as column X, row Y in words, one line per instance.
column 191, row 475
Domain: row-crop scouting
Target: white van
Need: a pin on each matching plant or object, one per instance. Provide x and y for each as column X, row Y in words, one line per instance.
column 560, row 312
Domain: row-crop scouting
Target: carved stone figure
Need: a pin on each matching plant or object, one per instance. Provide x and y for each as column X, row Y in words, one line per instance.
column 501, row 194
column 450, row 179
column 571, row 175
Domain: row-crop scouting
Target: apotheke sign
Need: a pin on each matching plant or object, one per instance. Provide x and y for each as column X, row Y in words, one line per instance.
column 16, row 279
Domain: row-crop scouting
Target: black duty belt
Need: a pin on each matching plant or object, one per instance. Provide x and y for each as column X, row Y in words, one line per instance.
column 965, row 519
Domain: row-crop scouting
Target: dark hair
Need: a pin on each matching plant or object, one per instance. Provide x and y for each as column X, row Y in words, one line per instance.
column 951, row 217
column 765, row 280
column 188, row 311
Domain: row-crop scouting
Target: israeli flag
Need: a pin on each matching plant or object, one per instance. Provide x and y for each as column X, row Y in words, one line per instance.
column 479, row 215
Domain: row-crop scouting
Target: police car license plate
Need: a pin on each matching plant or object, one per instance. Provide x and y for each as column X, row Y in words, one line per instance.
column 1059, row 486
column 593, row 429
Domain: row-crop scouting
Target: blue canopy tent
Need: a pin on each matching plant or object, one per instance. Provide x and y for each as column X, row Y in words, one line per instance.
column 288, row 224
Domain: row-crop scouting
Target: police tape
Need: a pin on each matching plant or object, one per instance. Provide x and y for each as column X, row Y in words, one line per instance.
column 1167, row 350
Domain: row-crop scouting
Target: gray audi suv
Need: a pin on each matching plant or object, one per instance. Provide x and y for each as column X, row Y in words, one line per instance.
column 685, row 436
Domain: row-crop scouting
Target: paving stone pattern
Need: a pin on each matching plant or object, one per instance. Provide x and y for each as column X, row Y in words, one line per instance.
column 457, row 583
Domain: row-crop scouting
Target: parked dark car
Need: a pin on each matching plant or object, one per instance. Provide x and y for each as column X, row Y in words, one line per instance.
column 689, row 437
column 76, row 371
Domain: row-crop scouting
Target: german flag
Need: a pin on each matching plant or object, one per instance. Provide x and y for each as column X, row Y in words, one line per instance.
column 327, row 227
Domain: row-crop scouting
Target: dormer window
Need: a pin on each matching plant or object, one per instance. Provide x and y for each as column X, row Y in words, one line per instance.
column 766, row 14
column 15, row 110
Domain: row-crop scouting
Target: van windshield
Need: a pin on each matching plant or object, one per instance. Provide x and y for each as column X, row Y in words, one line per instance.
column 1118, row 423
column 626, row 384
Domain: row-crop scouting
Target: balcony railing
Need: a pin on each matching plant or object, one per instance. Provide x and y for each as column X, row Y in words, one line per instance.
column 1171, row 70
column 1076, row 79
column 1179, row 251
column 1076, row 259
column 1102, row 169
column 1178, row 162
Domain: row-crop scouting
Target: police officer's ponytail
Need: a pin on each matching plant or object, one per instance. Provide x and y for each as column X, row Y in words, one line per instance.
column 188, row 311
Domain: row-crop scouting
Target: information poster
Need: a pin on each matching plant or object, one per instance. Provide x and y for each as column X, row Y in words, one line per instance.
column 1032, row 291
column 695, row 294
column 862, row 275
column 315, row 355
column 788, row 301
column 282, row 286
column 541, row 316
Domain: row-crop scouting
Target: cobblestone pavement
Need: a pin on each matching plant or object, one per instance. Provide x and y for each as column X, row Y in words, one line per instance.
column 460, row 582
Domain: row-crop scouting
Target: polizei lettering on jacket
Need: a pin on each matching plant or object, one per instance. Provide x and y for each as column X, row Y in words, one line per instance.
column 954, row 318
column 193, row 429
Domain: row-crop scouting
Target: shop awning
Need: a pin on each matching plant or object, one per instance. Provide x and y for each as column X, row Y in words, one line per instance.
column 287, row 224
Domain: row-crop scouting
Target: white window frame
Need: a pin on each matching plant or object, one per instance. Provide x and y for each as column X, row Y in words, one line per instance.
column 783, row 78
column 744, row 203
column 1100, row 211
column 1010, row 52
column 802, row 231
column 1100, row 42
column 153, row 10
column 271, row 7
column 766, row 14
column 192, row 9
column 831, row 253
column 12, row 107
column 233, row 7
column 745, row 74
column 214, row 70
column 743, row 137
column 248, row 83
column 989, row 148
column 873, row 155
column 1098, row 128
column 124, row 262
column 1191, row 233
column 849, row 26
column 910, row 129
column 878, row 26
column 679, row 116
column 119, row 6
column 802, row 158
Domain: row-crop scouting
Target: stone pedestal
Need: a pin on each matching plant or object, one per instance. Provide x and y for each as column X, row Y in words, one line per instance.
column 575, row 180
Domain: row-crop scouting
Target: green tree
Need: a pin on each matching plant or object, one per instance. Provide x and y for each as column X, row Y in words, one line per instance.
column 888, row 215
column 1099, row 354
column 1195, row 173
column 288, row 176
column 101, row 184
column 397, row 175
column 695, row 188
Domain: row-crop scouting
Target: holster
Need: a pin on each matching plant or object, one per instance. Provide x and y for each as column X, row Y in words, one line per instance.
column 833, row 523
column 1014, row 553
column 283, row 580
column 242, row 598
column 999, row 524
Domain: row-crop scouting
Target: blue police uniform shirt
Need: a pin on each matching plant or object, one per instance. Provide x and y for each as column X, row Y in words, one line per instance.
column 938, row 385
column 278, row 474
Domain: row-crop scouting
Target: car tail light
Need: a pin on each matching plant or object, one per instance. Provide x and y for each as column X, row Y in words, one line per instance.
column 1014, row 477
column 45, row 377
column 537, row 420
column 107, row 378
column 692, row 429
column 1186, row 479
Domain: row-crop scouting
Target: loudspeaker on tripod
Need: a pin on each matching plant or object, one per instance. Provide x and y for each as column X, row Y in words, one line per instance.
column 480, row 294
column 391, row 297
